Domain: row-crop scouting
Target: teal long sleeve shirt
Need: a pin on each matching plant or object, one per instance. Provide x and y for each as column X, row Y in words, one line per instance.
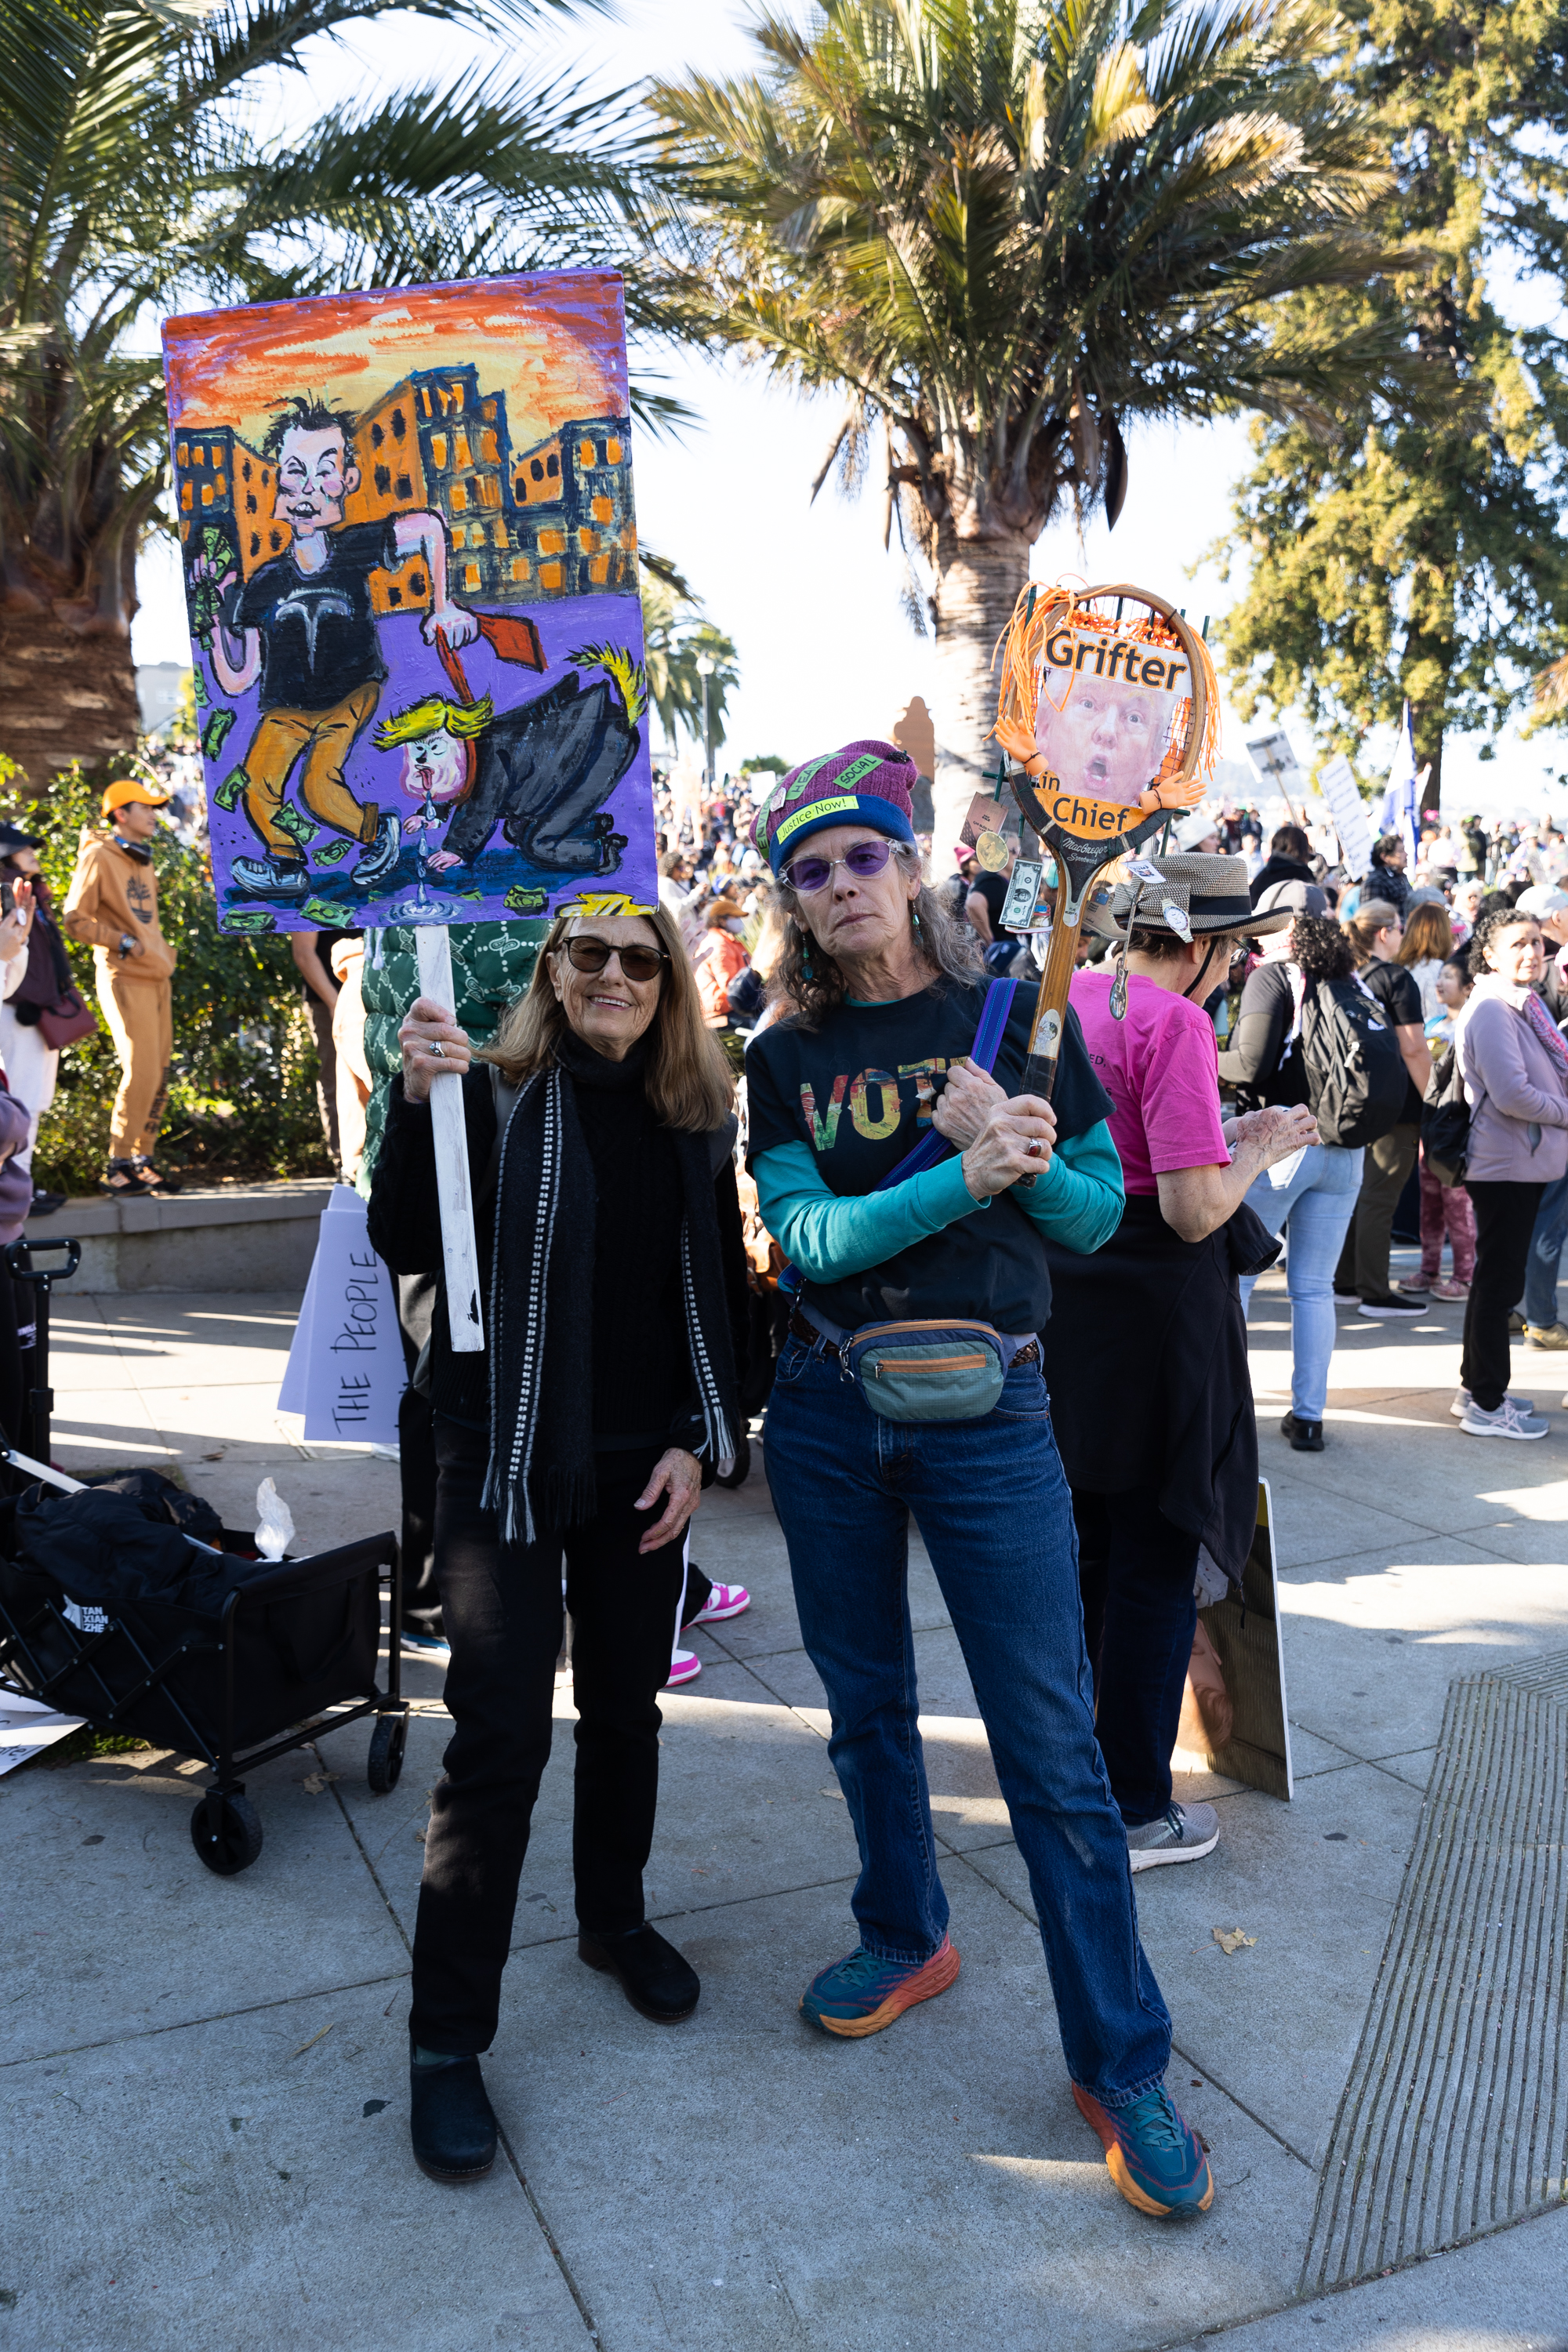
column 1077, row 1201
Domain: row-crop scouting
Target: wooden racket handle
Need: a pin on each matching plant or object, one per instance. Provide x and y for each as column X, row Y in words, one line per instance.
column 1051, row 1002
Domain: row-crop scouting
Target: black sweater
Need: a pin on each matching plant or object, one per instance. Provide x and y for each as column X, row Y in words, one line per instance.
column 642, row 1386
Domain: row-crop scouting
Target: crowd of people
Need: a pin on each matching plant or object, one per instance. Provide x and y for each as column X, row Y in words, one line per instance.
column 957, row 1302
column 760, row 1147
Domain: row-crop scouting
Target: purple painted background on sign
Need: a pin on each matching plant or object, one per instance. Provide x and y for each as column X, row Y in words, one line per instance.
column 409, row 553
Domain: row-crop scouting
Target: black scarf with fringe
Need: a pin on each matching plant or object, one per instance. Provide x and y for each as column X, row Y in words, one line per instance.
column 542, row 1303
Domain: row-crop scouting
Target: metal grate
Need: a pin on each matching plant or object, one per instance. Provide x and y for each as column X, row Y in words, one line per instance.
column 1455, row 2119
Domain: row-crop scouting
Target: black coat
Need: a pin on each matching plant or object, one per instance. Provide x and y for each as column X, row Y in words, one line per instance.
column 1278, row 870
column 406, row 1231
column 1145, row 1358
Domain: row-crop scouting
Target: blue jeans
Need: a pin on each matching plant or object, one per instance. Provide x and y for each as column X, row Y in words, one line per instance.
column 1546, row 1255
column 992, row 1503
column 1311, row 1198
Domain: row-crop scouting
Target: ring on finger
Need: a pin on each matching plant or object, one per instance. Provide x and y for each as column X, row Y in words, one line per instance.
column 437, row 1048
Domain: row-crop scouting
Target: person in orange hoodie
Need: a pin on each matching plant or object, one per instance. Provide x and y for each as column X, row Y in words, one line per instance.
column 719, row 958
column 112, row 905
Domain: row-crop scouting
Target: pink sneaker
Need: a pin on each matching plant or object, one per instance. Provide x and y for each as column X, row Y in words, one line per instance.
column 724, row 1600
column 684, row 1667
column 1452, row 1289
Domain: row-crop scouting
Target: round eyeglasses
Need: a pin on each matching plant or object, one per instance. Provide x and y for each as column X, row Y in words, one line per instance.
column 807, row 876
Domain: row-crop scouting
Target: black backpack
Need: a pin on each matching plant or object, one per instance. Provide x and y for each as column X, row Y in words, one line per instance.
column 1446, row 1120
column 1355, row 1072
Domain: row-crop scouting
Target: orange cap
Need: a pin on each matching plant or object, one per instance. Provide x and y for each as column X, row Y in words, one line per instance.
column 125, row 788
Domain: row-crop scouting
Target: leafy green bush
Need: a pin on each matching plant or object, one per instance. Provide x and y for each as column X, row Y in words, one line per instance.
column 242, row 1099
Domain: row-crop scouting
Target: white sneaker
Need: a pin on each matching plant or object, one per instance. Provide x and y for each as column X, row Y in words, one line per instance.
column 724, row 1600
column 686, row 1666
column 1509, row 1420
column 1460, row 1405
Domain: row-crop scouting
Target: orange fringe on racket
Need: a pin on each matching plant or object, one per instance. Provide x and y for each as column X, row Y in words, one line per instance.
column 1040, row 613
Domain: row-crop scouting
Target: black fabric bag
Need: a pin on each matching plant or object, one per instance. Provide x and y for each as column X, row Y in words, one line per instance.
column 1356, row 1077
column 305, row 1632
column 1446, row 1120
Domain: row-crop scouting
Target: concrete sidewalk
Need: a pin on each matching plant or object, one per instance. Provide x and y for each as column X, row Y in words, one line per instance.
column 204, row 2080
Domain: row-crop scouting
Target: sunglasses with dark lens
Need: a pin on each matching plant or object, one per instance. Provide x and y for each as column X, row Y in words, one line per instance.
column 592, row 955
column 809, row 875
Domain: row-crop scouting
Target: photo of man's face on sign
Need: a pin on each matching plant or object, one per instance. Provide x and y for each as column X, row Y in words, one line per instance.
column 1107, row 705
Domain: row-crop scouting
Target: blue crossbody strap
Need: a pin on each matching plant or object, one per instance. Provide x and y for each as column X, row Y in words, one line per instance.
column 932, row 1145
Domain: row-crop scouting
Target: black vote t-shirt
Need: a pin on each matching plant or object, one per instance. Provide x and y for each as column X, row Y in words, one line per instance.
column 1399, row 993
column 317, row 633
column 860, row 1091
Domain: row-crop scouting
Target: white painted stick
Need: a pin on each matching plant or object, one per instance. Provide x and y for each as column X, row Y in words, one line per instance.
column 452, row 1177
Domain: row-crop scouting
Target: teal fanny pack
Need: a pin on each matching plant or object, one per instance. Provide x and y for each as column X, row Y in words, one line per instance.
column 927, row 1372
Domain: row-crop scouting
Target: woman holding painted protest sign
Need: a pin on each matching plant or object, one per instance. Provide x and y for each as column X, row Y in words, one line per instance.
column 614, row 1276
column 909, row 1382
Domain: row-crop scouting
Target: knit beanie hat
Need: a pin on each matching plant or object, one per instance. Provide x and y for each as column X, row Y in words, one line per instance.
column 866, row 783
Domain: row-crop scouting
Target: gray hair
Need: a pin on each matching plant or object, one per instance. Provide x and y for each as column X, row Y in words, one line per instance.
column 948, row 946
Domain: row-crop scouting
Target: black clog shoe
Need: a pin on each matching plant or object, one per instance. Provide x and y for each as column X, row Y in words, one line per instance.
column 451, row 2121
column 654, row 1976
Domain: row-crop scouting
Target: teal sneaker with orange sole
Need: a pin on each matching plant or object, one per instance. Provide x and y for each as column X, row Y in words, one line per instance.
column 861, row 1994
column 1154, row 2154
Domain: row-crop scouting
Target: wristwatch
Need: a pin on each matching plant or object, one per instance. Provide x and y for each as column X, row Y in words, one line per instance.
column 126, row 943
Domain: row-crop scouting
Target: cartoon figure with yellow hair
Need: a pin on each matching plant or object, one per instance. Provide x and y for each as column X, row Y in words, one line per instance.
column 541, row 772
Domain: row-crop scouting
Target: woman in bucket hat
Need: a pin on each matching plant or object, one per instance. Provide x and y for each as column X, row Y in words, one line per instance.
column 911, row 1382
column 1146, row 1352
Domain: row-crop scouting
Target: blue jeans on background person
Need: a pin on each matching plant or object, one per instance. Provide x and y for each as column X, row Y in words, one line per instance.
column 991, row 1501
column 1311, row 1198
column 1546, row 1255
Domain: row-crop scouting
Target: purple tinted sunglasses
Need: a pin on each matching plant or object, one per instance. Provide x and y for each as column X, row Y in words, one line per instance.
column 807, row 876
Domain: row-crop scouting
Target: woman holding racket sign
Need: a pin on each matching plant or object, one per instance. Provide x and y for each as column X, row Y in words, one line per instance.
column 911, row 1382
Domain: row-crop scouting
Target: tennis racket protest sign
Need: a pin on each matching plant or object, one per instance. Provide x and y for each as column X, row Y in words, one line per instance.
column 409, row 553
column 1109, row 708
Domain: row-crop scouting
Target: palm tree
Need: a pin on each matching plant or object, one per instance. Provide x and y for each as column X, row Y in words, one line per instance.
column 130, row 183
column 676, row 633
column 1004, row 228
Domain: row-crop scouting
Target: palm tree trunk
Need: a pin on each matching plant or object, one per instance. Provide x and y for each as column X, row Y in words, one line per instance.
column 978, row 582
column 63, row 696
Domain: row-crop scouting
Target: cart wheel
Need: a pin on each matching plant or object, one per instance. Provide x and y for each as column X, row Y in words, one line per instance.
column 239, row 1839
column 387, row 1742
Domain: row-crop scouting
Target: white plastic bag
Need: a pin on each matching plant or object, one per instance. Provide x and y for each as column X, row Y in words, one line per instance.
column 275, row 1522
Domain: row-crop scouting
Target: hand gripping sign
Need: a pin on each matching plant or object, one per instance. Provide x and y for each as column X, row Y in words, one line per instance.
column 409, row 554
column 1109, row 704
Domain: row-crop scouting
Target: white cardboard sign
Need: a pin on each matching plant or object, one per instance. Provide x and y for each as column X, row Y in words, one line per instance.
column 346, row 1372
column 1338, row 785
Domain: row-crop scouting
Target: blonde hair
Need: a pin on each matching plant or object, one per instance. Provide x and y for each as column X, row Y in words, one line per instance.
column 689, row 1085
column 1372, row 916
column 463, row 719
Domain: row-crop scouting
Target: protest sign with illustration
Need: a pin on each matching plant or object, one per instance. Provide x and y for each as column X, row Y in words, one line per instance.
column 409, row 557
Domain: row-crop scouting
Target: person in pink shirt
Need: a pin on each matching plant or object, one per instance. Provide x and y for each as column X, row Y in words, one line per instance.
column 1146, row 1349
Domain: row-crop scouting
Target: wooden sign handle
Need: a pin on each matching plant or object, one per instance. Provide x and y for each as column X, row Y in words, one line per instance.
column 459, row 1250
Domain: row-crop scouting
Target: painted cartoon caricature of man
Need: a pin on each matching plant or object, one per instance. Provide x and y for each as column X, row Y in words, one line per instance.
column 437, row 739
column 1105, row 734
column 305, row 625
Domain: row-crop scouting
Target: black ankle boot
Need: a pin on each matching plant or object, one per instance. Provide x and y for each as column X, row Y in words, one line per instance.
column 654, row 1976
column 451, row 2120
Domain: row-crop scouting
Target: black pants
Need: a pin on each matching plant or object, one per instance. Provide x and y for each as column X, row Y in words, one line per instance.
column 319, row 1016
column 501, row 1605
column 1505, row 1218
column 416, row 1463
column 1363, row 1260
column 1136, row 1573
